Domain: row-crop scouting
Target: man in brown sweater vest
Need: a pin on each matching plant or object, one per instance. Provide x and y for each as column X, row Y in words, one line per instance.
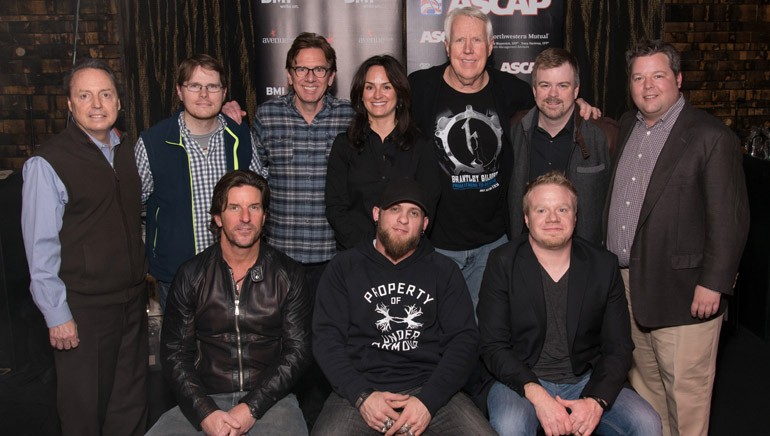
column 82, row 235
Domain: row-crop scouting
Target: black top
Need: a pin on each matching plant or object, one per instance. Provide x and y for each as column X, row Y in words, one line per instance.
column 390, row 327
column 256, row 343
column 554, row 364
column 512, row 317
column 471, row 211
column 355, row 179
column 550, row 153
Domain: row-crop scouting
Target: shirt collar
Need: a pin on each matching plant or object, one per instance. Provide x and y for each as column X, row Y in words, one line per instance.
column 666, row 122
column 114, row 140
column 220, row 124
column 568, row 128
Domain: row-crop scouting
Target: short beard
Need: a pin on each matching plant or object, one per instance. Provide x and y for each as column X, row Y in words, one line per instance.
column 396, row 249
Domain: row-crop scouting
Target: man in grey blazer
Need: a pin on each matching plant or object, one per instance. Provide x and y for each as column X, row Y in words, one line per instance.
column 677, row 218
column 553, row 136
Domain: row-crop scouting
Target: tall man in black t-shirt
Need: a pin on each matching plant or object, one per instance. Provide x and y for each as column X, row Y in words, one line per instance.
column 466, row 108
column 554, row 325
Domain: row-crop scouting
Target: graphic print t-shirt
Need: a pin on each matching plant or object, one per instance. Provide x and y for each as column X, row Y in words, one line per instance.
column 469, row 141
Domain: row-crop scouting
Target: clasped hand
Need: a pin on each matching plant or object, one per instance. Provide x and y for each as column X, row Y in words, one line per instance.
column 413, row 417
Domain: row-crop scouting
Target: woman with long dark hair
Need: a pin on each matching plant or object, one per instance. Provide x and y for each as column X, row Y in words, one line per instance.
column 381, row 143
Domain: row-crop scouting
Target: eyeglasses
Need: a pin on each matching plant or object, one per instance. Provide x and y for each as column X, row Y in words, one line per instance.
column 319, row 72
column 197, row 87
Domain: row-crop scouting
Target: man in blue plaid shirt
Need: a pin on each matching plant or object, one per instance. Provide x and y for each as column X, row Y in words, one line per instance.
column 180, row 159
column 294, row 134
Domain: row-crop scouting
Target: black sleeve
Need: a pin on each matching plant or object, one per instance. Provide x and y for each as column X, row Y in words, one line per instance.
column 330, row 333
column 428, row 177
column 610, row 372
column 494, row 313
column 459, row 342
column 338, row 201
column 178, row 349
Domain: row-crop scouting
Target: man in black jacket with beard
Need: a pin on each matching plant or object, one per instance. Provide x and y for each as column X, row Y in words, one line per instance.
column 236, row 334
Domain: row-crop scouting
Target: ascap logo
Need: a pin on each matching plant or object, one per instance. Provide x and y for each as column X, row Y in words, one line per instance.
column 275, row 90
column 431, row 7
column 524, row 7
column 517, row 67
column 433, row 37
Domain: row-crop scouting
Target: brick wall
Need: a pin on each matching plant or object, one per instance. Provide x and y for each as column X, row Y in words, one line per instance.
column 725, row 65
column 36, row 46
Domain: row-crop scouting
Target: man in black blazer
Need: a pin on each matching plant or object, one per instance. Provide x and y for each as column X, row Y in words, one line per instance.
column 677, row 218
column 554, row 325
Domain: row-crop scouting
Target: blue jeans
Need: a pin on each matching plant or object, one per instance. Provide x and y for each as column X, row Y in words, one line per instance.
column 472, row 264
column 457, row 417
column 511, row 414
column 283, row 419
column 163, row 289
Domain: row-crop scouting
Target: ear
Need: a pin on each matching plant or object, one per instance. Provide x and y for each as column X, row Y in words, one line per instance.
column 491, row 46
column 526, row 220
column 218, row 220
column 330, row 79
column 288, row 78
column 679, row 80
column 69, row 104
column 577, row 91
column 424, row 223
column 179, row 92
column 224, row 93
column 446, row 46
column 376, row 213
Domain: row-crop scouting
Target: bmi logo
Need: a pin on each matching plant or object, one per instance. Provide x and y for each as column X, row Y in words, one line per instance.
column 275, row 90
column 431, row 7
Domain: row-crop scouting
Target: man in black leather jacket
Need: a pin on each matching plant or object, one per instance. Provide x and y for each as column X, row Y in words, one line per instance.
column 236, row 334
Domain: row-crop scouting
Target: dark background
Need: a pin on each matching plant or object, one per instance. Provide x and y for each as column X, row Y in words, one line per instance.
column 724, row 45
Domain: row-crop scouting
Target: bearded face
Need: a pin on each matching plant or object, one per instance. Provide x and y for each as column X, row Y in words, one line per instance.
column 399, row 228
column 396, row 247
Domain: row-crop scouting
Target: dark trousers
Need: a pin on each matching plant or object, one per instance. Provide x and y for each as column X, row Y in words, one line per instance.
column 312, row 388
column 102, row 384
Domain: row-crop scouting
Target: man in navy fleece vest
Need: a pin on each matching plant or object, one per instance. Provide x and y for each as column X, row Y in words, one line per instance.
column 180, row 159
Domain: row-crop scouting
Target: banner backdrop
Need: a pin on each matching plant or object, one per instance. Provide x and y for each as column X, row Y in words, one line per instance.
column 357, row 29
column 522, row 29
